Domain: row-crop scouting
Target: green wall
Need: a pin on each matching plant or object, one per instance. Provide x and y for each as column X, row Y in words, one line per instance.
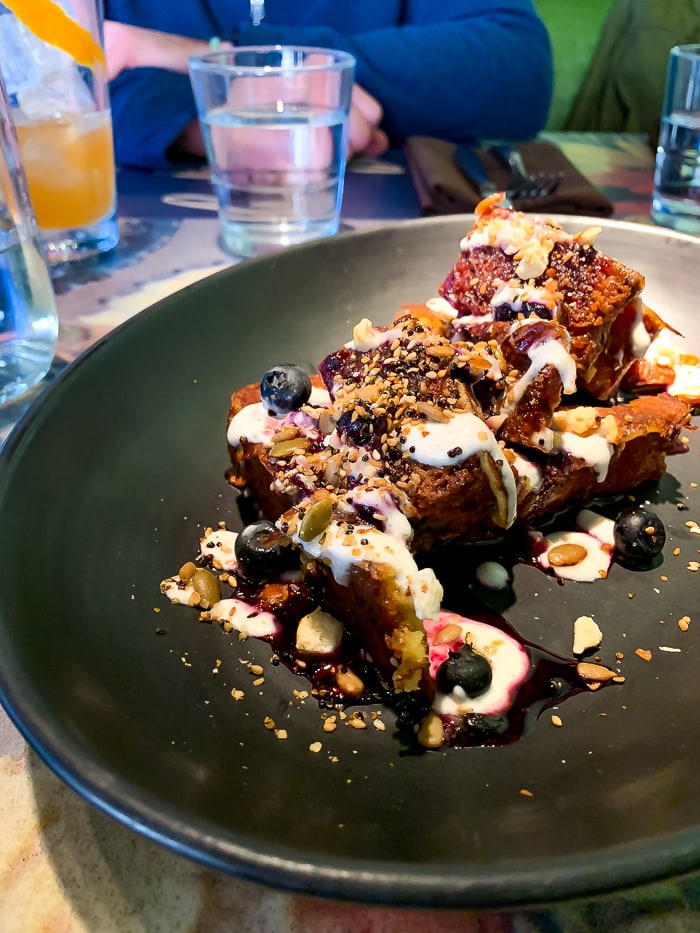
column 574, row 27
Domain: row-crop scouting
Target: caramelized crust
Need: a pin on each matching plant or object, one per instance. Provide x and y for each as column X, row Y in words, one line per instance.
column 643, row 433
column 596, row 299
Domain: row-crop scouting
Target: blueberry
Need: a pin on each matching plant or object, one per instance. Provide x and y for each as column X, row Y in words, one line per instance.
column 506, row 312
column 466, row 669
column 285, row 388
column 639, row 535
column 261, row 552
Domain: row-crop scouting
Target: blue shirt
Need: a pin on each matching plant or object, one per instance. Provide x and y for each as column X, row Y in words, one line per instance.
column 455, row 69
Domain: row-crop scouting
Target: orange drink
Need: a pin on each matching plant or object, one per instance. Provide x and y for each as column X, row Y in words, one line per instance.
column 69, row 164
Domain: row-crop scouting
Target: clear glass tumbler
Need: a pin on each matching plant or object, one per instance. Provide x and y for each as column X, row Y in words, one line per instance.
column 676, row 199
column 275, row 126
column 52, row 59
column 28, row 318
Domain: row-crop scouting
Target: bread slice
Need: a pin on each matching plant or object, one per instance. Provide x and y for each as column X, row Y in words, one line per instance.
column 513, row 263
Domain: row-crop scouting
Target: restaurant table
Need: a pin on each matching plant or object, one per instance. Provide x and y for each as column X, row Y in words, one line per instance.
column 65, row 867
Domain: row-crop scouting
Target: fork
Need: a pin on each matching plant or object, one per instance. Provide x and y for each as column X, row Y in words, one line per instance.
column 526, row 184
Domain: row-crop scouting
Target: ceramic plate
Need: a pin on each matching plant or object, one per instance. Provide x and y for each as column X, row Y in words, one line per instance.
column 104, row 489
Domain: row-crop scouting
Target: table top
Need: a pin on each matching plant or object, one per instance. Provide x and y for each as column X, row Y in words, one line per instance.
column 64, row 866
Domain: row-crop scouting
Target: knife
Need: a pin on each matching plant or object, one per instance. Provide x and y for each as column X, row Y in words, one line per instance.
column 469, row 161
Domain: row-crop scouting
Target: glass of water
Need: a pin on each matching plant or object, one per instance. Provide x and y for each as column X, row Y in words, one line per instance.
column 676, row 199
column 275, row 127
column 28, row 318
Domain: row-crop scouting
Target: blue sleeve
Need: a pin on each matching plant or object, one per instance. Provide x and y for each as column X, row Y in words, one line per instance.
column 150, row 109
column 486, row 72
column 457, row 69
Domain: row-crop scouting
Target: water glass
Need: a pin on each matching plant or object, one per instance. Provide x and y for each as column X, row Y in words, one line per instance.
column 53, row 64
column 275, row 127
column 28, row 318
column 676, row 200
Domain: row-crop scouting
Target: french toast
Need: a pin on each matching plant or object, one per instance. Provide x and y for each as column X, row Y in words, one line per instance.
column 424, row 439
column 512, row 264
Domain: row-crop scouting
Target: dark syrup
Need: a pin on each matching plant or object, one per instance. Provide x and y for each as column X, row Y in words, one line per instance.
column 550, row 681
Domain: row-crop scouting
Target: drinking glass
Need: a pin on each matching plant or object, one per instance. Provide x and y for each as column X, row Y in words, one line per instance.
column 676, row 199
column 53, row 63
column 28, row 318
column 275, row 127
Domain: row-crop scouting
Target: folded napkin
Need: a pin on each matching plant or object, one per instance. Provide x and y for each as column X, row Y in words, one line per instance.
column 444, row 188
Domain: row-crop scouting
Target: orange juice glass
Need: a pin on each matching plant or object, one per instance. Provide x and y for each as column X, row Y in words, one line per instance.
column 61, row 112
column 69, row 164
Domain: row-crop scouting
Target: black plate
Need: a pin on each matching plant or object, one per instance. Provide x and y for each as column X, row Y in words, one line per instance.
column 103, row 491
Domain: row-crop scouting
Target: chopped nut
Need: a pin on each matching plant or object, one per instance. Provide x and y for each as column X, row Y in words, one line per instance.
column 315, row 747
column 237, row 694
column 431, row 733
column 643, row 654
column 255, row 669
column 524, row 792
column 330, row 724
column 556, row 721
column 319, row 633
column 566, row 555
column 356, row 721
column 269, row 723
column 447, row 634
column 281, row 733
column 349, row 682
column 587, row 634
column 684, row 623
column 186, row 572
column 596, row 672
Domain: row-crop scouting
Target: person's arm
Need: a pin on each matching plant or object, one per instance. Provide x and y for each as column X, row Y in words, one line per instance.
column 151, row 108
column 130, row 49
column 485, row 69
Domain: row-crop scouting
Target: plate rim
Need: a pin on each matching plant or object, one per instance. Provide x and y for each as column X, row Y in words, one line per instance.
column 392, row 883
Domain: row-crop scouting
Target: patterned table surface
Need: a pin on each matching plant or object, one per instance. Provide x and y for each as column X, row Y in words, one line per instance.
column 67, row 868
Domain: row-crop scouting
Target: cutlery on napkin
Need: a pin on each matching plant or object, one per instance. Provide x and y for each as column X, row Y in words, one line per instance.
column 439, row 174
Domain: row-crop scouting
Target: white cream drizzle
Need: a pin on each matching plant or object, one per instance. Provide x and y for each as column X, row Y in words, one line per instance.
column 219, row 545
column 665, row 351
column 528, row 471
column 366, row 336
column 640, row 338
column 245, row 618
column 515, row 293
column 442, row 307
column 595, row 564
column 177, row 591
column 597, row 525
column 594, row 450
column 382, row 503
column 517, row 235
column 509, row 662
column 465, row 434
column 258, row 427
column 342, row 551
column 550, row 352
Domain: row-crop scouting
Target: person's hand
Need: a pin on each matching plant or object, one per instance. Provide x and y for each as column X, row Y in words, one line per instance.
column 365, row 137
column 119, row 40
column 134, row 47
column 282, row 158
